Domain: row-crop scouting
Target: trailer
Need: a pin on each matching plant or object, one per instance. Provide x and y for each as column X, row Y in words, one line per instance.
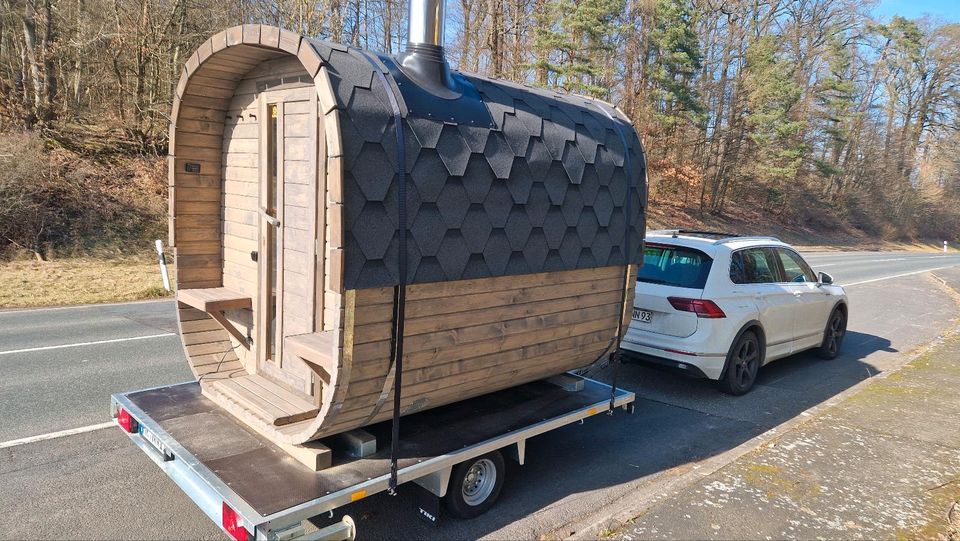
column 252, row 488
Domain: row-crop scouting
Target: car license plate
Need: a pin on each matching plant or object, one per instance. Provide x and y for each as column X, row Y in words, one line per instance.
column 642, row 316
column 153, row 440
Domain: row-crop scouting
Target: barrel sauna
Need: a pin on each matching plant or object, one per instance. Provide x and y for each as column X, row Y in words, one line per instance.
column 298, row 166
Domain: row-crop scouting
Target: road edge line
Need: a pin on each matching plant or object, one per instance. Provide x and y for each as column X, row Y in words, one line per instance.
column 55, row 435
column 81, row 344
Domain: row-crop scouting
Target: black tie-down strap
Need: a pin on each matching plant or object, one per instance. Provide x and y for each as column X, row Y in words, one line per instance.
column 400, row 290
column 628, row 169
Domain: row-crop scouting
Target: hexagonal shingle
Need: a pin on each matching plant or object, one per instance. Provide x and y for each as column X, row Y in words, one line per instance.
column 556, row 183
column 497, row 252
column 536, row 249
column 429, row 174
column 538, row 205
column 517, row 134
column 369, row 115
column 538, row 158
column 586, row 144
column 376, row 232
column 570, row 248
column 531, row 120
column 453, row 204
column 474, row 136
column 518, row 228
column 554, row 227
column 371, row 172
column 453, row 254
column 426, row 131
column 573, row 163
column 498, row 204
column 499, row 155
column 603, row 206
column 428, row 229
column 476, row 229
column 477, row 178
column 587, row 228
column 589, row 185
column 520, row 181
column 572, row 206
column 453, row 150
column 600, row 247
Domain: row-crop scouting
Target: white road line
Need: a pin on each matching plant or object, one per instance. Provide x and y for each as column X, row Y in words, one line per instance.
column 55, row 435
column 828, row 265
column 896, row 276
column 6, row 311
column 884, row 260
column 80, row 344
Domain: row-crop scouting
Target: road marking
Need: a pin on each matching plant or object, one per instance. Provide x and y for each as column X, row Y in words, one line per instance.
column 885, row 260
column 55, row 435
column 896, row 276
column 80, row 344
column 828, row 265
column 5, row 311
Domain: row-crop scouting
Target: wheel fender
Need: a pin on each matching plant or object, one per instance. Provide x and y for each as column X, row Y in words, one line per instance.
column 826, row 325
column 763, row 343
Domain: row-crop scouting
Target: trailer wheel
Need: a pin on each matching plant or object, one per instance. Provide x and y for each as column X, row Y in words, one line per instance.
column 475, row 485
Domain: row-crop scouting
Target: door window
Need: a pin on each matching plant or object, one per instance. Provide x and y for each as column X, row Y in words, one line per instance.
column 795, row 269
column 754, row 266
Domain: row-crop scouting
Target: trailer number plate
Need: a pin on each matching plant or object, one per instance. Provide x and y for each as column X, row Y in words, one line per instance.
column 643, row 316
column 153, row 440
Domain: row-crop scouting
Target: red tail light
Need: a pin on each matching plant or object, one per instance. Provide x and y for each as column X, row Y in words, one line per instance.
column 127, row 422
column 233, row 524
column 703, row 308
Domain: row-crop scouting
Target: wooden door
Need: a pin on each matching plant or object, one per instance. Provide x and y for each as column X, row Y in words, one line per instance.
column 288, row 228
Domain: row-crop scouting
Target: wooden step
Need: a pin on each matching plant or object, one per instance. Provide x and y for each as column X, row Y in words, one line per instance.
column 316, row 349
column 214, row 299
column 268, row 401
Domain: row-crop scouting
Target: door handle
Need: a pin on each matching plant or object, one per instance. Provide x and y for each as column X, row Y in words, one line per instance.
column 270, row 219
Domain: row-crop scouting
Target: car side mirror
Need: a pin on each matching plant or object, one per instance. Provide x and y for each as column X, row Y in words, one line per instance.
column 825, row 278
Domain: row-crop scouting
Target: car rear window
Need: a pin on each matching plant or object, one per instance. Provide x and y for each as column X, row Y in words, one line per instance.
column 674, row 266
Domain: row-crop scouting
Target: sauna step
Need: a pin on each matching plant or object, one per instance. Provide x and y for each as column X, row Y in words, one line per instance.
column 266, row 400
column 316, row 349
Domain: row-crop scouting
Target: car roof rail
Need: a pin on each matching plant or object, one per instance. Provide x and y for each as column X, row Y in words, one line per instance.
column 734, row 239
column 695, row 233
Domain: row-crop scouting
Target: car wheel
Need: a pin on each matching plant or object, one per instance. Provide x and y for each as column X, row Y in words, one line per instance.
column 475, row 485
column 833, row 335
column 743, row 363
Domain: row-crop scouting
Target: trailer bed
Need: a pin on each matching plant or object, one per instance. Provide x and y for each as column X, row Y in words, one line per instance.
column 215, row 459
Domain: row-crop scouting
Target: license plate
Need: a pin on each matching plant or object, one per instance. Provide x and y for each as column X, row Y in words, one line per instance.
column 153, row 440
column 642, row 316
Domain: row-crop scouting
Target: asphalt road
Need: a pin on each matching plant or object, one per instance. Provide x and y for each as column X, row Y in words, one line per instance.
column 59, row 367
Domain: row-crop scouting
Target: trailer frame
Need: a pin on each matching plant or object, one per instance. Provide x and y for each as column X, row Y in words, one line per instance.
column 210, row 493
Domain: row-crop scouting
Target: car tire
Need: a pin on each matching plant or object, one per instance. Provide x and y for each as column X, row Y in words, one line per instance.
column 475, row 485
column 743, row 364
column 833, row 335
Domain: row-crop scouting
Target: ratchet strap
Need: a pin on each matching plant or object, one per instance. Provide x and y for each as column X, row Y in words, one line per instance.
column 628, row 169
column 395, row 375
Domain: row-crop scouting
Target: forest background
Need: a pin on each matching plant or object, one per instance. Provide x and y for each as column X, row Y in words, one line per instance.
column 807, row 118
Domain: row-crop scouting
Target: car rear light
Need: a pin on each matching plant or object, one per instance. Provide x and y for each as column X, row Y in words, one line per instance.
column 703, row 308
column 127, row 422
column 233, row 524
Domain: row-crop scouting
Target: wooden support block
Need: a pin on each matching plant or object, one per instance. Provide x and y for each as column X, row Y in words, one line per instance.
column 567, row 382
column 313, row 455
column 357, row 443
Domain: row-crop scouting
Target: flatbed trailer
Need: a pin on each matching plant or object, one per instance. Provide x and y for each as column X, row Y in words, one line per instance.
column 253, row 490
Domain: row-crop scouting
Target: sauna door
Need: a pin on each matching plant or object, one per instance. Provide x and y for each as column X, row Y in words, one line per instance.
column 288, row 199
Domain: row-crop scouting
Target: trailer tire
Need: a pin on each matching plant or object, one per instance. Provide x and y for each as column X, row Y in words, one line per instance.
column 475, row 485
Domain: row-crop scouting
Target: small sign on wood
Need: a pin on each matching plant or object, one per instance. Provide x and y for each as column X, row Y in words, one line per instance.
column 192, row 167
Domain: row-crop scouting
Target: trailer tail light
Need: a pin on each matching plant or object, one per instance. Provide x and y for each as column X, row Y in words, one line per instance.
column 703, row 308
column 127, row 422
column 233, row 524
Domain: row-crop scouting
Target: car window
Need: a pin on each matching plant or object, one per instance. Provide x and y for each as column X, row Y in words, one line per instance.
column 753, row 266
column 674, row 266
column 795, row 269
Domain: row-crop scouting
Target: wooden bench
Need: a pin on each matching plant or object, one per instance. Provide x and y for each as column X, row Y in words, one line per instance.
column 316, row 349
column 215, row 301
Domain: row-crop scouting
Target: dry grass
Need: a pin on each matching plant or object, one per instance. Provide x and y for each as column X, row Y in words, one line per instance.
column 78, row 281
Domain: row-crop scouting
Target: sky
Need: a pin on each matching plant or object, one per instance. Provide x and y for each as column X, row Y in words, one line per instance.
column 947, row 10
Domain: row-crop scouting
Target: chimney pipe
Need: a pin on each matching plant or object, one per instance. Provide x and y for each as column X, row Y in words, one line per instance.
column 423, row 61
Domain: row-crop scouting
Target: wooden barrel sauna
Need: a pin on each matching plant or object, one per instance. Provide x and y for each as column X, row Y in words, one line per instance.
column 297, row 167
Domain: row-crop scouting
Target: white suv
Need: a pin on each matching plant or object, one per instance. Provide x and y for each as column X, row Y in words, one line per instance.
column 722, row 306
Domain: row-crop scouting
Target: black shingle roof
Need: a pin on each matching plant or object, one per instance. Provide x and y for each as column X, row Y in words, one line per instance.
column 544, row 189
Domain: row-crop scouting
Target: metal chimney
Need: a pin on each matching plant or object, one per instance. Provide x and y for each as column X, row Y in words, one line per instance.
column 423, row 61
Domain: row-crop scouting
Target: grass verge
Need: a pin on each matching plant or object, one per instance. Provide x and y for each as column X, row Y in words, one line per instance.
column 81, row 280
